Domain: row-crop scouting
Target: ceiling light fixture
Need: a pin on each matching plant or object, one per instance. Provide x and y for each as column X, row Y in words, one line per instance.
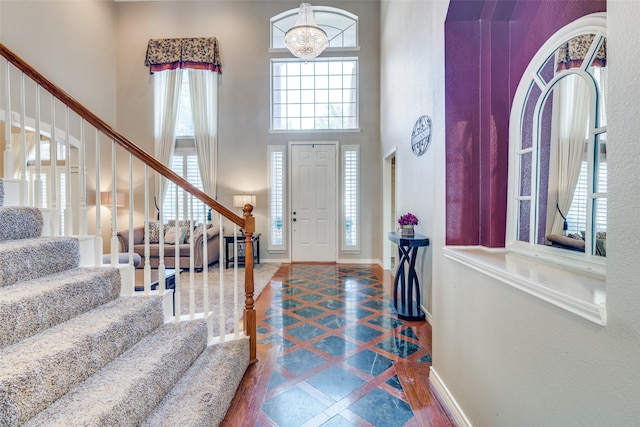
column 306, row 40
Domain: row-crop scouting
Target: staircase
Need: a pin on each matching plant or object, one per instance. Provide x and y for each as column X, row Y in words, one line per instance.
column 75, row 352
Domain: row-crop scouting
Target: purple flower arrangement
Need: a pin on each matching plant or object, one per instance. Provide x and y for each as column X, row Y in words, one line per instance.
column 408, row 219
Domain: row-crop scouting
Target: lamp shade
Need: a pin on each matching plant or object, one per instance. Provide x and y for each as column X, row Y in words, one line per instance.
column 239, row 200
column 106, row 198
column 306, row 40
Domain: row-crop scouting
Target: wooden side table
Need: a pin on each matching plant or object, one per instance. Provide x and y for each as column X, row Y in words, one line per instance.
column 405, row 284
column 228, row 254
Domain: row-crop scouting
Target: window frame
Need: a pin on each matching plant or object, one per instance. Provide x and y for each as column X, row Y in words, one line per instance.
column 282, row 151
column 331, row 19
column 345, row 149
column 320, row 14
column 590, row 24
column 355, row 87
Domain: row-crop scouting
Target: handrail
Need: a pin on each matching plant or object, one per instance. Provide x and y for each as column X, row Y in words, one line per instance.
column 121, row 140
column 247, row 223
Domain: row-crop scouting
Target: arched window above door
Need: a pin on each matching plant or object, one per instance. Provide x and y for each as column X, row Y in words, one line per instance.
column 341, row 26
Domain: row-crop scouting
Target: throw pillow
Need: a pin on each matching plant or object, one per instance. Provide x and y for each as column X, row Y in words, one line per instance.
column 198, row 231
column 182, row 223
column 173, row 238
column 154, row 232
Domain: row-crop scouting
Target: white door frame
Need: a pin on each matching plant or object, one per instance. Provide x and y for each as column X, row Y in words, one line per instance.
column 337, row 197
column 386, row 204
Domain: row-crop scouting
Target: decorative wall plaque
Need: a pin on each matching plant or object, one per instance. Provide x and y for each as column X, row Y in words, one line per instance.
column 421, row 135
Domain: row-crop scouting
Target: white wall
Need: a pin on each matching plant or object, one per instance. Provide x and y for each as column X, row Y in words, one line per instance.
column 71, row 42
column 506, row 357
column 412, row 85
column 242, row 28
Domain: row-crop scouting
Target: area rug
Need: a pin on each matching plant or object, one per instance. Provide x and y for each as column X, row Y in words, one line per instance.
column 262, row 274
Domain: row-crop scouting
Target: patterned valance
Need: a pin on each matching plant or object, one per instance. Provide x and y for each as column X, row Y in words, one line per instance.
column 572, row 53
column 200, row 53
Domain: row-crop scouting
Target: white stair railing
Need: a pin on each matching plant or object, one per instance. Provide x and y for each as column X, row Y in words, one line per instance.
column 52, row 175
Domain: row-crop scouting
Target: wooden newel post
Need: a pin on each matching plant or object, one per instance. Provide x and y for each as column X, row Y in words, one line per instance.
column 250, row 322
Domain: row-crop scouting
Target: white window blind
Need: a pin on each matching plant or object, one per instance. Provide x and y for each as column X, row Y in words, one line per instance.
column 577, row 216
column 350, row 195
column 277, row 202
column 185, row 165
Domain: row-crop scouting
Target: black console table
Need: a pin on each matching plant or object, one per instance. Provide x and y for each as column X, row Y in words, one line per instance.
column 228, row 254
column 406, row 288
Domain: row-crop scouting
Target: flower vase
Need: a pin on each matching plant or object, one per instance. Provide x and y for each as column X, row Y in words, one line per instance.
column 407, row 230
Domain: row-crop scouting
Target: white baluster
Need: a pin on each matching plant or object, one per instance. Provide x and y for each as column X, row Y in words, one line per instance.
column 132, row 285
column 37, row 182
column 176, row 261
column 98, row 239
column 221, row 314
column 24, row 186
column 68, row 213
column 236, row 317
column 114, row 209
column 52, row 181
column 147, row 261
column 205, row 277
column 8, row 153
column 83, row 227
column 192, row 289
column 161, row 264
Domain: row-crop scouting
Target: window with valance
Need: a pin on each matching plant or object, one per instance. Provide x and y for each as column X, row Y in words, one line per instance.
column 186, row 72
column 198, row 53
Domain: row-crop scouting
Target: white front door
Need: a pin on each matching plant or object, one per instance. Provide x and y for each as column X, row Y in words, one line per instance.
column 313, row 202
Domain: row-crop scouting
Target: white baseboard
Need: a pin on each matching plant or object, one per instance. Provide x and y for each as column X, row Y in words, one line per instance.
column 273, row 261
column 447, row 399
column 340, row 261
column 359, row 261
column 427, row 315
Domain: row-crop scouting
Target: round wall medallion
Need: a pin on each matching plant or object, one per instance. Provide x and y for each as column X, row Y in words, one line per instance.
column 421, row 135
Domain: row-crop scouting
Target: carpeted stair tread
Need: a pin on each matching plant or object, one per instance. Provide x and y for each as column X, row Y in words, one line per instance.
column 30, row 307
column 127, row 390
column 20, row 223
column 40, row 369
column 203, row 395
column 1, row 193
column 32, row 258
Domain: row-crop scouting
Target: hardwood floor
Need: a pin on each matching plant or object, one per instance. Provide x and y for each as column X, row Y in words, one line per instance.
column 332, row 353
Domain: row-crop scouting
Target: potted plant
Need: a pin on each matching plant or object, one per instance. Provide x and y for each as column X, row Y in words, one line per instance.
column 407, row 222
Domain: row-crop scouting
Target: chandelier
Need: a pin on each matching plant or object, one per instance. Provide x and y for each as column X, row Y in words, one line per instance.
column 306, row 40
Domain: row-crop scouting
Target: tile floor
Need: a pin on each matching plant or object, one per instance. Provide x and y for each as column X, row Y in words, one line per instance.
column 338, row 339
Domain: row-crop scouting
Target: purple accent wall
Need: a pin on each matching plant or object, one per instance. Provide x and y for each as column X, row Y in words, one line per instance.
column 488, row 45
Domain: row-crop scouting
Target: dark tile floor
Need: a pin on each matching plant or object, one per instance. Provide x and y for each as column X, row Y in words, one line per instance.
column 339, row 338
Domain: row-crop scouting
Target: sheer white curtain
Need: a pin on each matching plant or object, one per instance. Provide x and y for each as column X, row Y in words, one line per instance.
column 572, row 105
column 203, row 85
column 167, row 85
